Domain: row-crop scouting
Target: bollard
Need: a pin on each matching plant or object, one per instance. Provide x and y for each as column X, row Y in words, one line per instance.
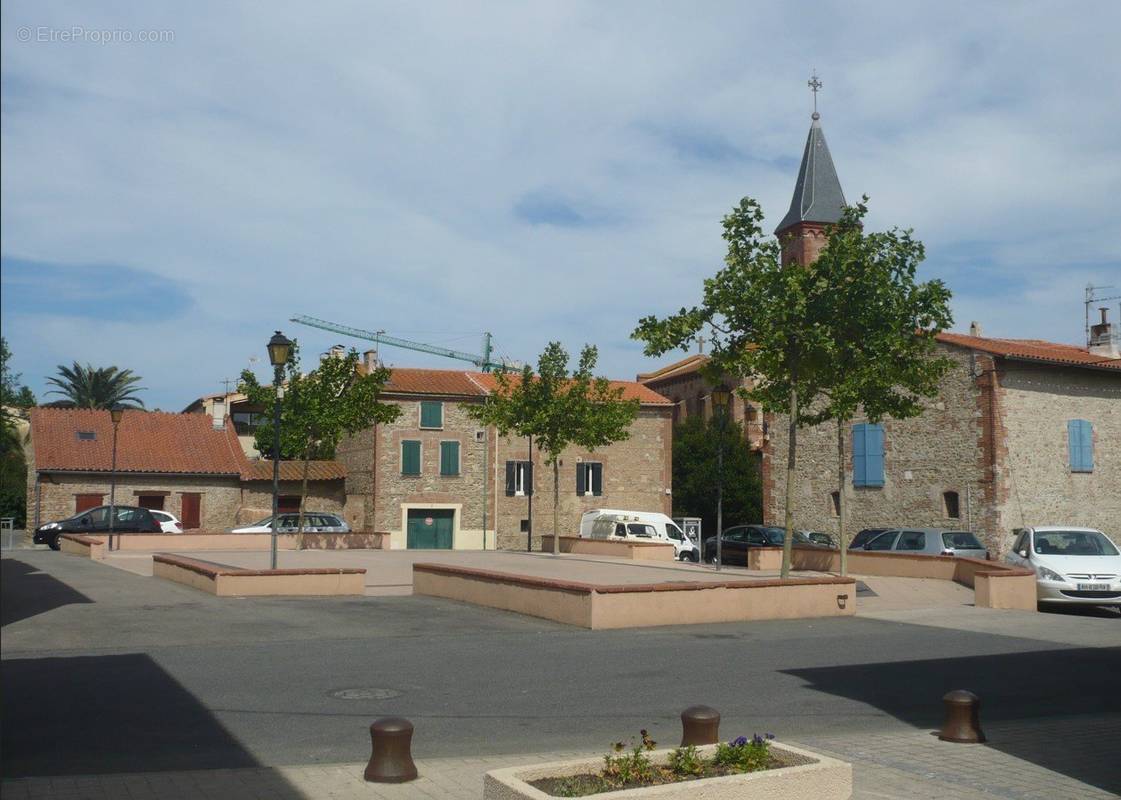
column 391, row 759
column 700, row 725
column 963, row 718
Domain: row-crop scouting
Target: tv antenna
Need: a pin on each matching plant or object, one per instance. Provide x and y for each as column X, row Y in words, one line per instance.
column 1092, row 297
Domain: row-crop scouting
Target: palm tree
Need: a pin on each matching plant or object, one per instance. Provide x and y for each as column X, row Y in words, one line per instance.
column 103, row 387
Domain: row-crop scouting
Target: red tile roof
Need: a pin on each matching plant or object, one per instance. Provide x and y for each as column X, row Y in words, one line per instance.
column 147, row 441
column 294, row 471
column 1032, row 350
column 459, row 383
column 677, row 369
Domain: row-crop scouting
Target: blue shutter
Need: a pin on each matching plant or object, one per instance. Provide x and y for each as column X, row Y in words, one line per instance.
column 874, row 453
column 449, row 458
column 1080, row 442
column 867, row 455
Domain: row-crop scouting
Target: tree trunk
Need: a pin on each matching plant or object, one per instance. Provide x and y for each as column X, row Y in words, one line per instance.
column 791, row 456
column 303, row 499
column 841, row 505
column 556, row 507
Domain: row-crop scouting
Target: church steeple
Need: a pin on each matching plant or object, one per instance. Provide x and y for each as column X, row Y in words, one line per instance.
column 818, row 200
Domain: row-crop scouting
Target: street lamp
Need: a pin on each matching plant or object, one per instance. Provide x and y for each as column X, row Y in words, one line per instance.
column 115, row 414
column 720, row 398
column 279, row 347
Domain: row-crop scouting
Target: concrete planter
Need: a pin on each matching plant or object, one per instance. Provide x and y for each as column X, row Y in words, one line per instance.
column 810, row 777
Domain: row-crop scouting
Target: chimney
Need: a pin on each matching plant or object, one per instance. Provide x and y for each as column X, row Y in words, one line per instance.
column 1102, row 341
column 975, row 328
column 218, row 414
column 370, row 360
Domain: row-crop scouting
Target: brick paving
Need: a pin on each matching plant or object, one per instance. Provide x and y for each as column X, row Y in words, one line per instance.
column 913, row 766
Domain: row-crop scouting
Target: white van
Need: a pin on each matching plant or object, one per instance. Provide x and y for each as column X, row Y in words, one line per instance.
column 609, row 523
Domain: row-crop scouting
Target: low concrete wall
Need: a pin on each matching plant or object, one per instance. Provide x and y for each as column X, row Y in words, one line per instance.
column 639, row 605
column 79, row 545
column 227, row 581
column 249, row 541
column 995, row 585
column 620, row 548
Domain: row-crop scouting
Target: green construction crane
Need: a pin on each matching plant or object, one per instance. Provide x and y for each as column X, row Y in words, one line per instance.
column 483, row 361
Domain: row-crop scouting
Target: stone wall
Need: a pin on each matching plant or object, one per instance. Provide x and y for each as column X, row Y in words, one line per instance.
column 256, row 498
column 924, row 457
column 218, row 506
column 356, row 451
column 1039, row 487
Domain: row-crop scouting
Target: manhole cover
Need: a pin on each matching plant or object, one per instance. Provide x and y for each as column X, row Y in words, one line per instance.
column 363, row 693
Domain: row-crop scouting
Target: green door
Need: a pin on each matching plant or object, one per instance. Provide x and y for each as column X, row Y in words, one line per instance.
column 430, row 528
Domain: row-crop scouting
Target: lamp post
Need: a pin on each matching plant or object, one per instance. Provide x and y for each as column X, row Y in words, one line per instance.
column 115, row 414
column 720, row 398
column 279, row 347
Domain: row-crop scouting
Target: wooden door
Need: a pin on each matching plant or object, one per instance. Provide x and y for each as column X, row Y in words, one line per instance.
column 189, row 514
column 84, row 502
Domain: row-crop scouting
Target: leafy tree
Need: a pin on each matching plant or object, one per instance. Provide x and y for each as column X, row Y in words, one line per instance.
column 13, row 466
column 766, row 321
column 884, row 323
column 695, row 444
column 318, row 408
column 100, row 387
column 12, row 393
column 559, row 409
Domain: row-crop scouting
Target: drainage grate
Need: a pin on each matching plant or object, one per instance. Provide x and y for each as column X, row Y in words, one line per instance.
column 363, row 693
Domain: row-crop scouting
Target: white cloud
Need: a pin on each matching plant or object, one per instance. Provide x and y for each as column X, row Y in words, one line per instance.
column 364, row 163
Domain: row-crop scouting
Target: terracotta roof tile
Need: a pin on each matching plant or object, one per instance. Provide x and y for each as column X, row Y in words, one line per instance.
column 1032, row 350
column 294, row 471
column 460, row 383
column 147, row 441
column 685, row 366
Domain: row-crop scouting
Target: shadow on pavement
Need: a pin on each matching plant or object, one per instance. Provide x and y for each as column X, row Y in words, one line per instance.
column 25, row 591
column 1019, row 693
column 1102, row 612
column 107, row 714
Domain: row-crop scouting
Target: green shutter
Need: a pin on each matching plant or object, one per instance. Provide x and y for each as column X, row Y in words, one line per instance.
column 449, row 458
column 431, row 414
column 410, row 458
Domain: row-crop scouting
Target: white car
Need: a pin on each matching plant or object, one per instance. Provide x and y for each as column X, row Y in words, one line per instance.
column 314, row 522
column 169, row 523
column 1072, row 565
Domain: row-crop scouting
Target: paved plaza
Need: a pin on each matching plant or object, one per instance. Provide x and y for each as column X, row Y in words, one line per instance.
column 120, row 685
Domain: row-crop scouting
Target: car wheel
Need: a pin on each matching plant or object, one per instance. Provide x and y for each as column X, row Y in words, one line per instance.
column 54, row 544
column 712, row 560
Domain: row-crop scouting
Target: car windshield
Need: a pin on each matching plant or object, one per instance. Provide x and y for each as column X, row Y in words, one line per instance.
column 961, row 540
column 1073, row 543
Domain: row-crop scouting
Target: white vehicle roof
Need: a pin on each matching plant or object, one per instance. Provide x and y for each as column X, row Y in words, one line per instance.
column 1043, row 528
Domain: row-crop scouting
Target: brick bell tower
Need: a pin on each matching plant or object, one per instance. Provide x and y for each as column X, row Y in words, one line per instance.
column 818, row 200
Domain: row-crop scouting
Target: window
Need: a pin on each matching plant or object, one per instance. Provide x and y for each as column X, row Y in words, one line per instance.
column 86, row 436
column 431, row 414
column 1020, row 544
column 150, row 501
column 519, row 478
column 1080, row 441
column 911, row 540
column 410, row 457
column 882, row 542
column 835, row 503
column 589, row 479
column 961, row 540
column 638, row 529
column 525, row 526
column 449, row 458
column 951, row 505
column 867, row 455
column 288, row 502
column 674, row 532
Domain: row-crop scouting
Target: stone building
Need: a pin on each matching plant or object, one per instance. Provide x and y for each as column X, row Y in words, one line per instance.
column 430, row 477
column 186, row 464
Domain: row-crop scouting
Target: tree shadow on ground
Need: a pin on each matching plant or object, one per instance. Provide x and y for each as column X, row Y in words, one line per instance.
column 1019, row 694
column 25, row 591
column 109, row 714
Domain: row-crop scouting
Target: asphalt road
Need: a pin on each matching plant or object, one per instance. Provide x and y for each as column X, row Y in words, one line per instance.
column 105, row 671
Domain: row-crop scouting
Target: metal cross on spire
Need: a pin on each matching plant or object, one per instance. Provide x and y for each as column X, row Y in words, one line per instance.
column 814, row 83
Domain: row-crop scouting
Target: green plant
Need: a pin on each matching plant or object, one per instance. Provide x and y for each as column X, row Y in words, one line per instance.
column 685, row 762
column 743, row 754
column 632, row 767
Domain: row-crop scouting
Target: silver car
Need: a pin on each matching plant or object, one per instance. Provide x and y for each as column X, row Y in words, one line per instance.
column 928, row 542
column 314, row 522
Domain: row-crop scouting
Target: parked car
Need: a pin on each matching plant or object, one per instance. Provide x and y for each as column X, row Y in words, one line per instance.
column 1072, row 565
column 822, row 538
column 737, row 540
column 169, row 523
column 127, row 519
column 928, row 542
column 863, row 537
column 644, row 525
column 314, row 522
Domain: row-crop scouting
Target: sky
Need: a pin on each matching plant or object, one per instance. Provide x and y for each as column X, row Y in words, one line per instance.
column 178, row 180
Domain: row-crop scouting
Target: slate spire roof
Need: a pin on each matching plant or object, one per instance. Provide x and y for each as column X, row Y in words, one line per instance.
column 817, row 194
